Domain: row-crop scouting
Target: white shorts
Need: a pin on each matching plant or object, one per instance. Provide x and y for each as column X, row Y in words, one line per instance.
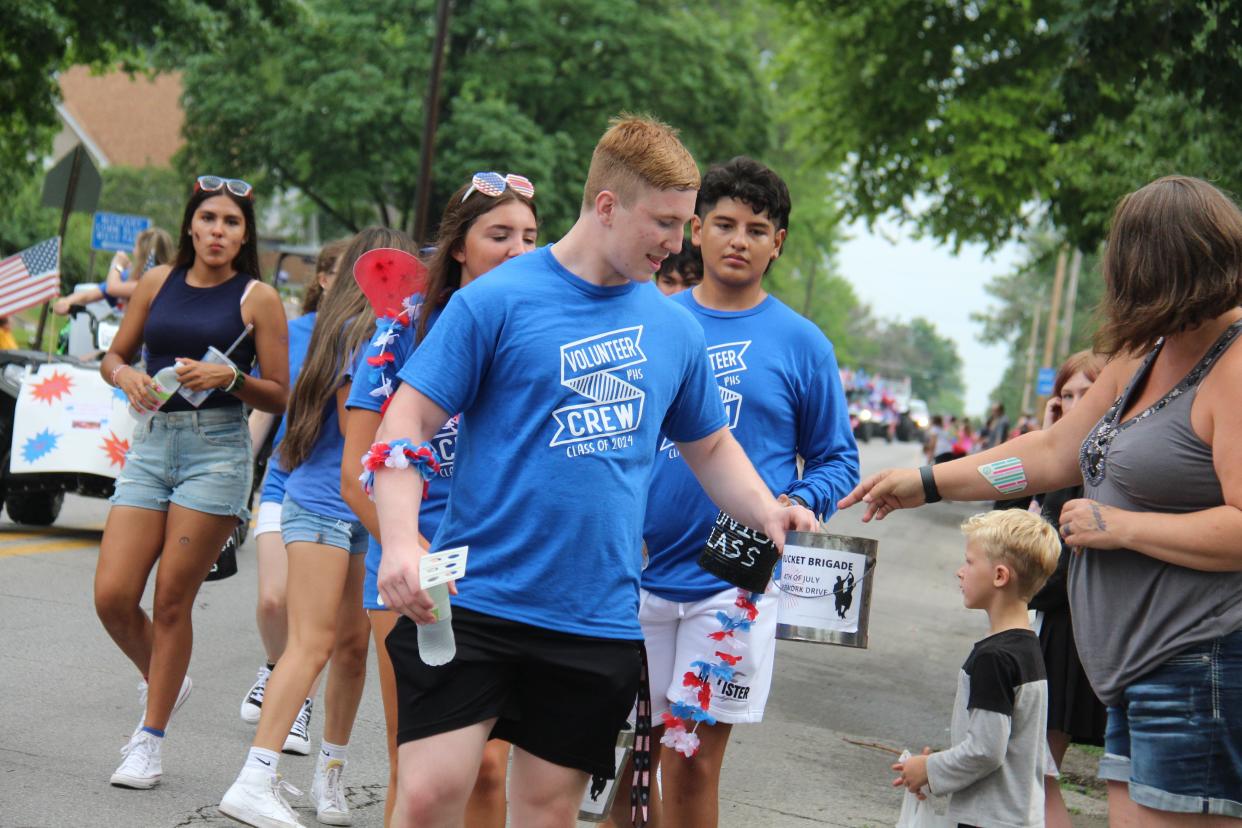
column 268, row 519
column 677, row 634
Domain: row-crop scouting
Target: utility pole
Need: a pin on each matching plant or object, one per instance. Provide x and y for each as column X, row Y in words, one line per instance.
column 1071, row 297
column 430, row 123
column 1030, row 358
column 1058, row 283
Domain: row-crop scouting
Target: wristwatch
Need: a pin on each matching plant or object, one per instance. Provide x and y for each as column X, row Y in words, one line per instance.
column 798, row 500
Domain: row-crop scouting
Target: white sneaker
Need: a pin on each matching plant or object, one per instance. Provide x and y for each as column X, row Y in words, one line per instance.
column 186, row 687
column 141, row 766
column 256, row 799
column 298, row 740
column 252, row 705
column 329, row 794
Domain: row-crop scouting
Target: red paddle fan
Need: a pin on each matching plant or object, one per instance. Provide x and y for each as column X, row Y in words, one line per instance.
column 388, row 276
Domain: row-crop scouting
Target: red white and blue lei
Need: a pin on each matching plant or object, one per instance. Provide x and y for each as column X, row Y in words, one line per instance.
column 399, row 454
column 694, row 708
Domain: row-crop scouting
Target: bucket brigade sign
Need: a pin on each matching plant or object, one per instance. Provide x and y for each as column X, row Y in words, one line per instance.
column 821, row 588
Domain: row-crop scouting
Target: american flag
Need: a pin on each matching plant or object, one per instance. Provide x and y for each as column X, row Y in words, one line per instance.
column 30, row 277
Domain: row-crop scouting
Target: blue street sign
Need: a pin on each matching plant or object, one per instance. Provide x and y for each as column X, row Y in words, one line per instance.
column 1044, row 386
column 117, row 231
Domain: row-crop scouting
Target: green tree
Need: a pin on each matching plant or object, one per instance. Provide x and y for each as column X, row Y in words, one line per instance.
column 1017, row 295
column 915, row 349
column 333, row 105
column 41, row 37
column 984, row 111
column 159, row 194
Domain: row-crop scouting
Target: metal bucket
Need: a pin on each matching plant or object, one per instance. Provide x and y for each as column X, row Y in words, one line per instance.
column 825, row 588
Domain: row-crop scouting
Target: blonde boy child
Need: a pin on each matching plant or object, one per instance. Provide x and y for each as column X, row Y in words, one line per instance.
column 994, row 773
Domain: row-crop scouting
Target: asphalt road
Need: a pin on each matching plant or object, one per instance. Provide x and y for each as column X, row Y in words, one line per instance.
column 68, row 700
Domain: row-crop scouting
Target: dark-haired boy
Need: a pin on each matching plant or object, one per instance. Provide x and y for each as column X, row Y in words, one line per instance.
column 680, row 271
column 777, row 376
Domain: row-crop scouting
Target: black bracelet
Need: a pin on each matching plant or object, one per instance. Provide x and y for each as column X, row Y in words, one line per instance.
column 798, row 500
column 930, row 493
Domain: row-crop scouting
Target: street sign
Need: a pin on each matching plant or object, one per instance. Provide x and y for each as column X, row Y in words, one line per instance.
column 85, row 186
column 117, row 231
column 1043, row 387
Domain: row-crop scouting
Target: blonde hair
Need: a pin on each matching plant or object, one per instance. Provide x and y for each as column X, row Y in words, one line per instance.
column 1024, row 542
column 637, row 151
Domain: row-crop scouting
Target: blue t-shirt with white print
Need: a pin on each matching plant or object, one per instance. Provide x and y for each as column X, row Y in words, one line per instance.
column 299, row 342
column 367, row 393
column 778, row 380
column 564, row 388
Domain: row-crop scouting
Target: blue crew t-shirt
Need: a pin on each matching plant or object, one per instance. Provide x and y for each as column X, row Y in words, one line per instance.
column 778, row 379
column 367, row 393
column 564, row 388
column 299, row 342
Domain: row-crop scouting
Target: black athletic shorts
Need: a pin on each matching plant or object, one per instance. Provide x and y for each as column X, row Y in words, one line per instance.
column 558, row 696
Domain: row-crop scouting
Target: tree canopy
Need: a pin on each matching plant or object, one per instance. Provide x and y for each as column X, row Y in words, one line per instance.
column 41, row 37
column 333, row 104
column 964, row 117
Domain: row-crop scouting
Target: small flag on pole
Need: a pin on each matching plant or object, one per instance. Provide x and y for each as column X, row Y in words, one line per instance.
column 30, row 277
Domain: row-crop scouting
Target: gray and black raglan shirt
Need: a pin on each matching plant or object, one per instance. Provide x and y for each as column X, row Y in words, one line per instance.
column 994, row 773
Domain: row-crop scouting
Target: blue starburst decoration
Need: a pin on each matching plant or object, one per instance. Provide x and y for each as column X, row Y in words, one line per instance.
column 39, row 445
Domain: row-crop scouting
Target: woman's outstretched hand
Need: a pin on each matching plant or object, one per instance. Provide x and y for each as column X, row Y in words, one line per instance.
column 886, row 491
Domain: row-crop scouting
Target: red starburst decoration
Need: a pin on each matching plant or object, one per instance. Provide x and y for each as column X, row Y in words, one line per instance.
column 116, row 449
column 53, row 388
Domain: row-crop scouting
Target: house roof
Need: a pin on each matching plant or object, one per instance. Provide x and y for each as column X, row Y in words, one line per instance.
column 130, row 121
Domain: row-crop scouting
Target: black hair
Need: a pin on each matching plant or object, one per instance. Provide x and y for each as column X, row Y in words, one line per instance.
column 247, row 259
column 751, row 183
column 688, row 262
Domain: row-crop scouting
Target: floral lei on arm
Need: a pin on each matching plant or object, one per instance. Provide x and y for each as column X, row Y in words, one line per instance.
column 694, row 708
column 399, row 454
column 384, row 364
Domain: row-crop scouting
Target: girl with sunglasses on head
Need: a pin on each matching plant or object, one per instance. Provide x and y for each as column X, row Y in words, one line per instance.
column 324, row 543
column 186, row 477
column 482, row 227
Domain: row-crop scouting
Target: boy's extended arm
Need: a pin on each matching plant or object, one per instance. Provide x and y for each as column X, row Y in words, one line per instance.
column 980, row 753
column 726, row 474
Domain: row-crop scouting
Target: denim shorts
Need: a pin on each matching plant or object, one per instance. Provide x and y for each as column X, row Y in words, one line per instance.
column 299, row 525
column 199, row 460
column 1176, row 738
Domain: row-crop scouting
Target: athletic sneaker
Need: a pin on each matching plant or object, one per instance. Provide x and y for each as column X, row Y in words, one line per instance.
column 298, row 740
column 328, row 792
column 141, row 766
column 256, row 799
column 252, row 705
column 186, row 687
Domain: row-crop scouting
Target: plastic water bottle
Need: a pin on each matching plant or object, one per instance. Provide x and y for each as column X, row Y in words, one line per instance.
column 436, row 645
column 166, row 384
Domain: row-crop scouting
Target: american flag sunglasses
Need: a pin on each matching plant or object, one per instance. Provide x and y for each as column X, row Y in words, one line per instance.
column 214, row 184
column 493, row 184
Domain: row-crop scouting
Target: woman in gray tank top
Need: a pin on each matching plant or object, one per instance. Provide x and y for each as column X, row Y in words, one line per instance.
column 1156, row 587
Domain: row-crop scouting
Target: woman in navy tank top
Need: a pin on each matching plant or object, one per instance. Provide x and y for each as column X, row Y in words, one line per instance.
column 186, row 478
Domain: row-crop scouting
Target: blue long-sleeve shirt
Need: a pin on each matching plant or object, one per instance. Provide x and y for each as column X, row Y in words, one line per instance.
column 777, row 376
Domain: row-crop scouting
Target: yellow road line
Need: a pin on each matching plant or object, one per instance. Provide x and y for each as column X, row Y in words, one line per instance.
column 48, row 546
column 9, row 537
